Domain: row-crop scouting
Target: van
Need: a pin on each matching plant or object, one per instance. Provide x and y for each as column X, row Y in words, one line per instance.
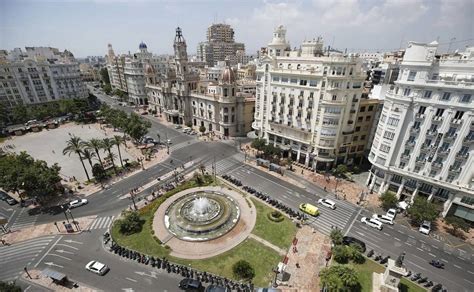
column 310, row 209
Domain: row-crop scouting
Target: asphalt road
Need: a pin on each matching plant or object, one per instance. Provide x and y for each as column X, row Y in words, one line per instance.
column 392, row 240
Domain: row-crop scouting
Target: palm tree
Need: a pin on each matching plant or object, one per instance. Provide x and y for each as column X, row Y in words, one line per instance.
column 89, row 155
column 96, row 144
column 107, row 145
column 75, row 145
column 118, row 140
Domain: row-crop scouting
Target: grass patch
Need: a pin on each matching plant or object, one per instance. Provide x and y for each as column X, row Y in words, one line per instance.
column 279, row 233
column 364, row 273
column 262, row 258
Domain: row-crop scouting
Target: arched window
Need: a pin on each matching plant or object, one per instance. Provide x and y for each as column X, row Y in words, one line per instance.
column 226, row 110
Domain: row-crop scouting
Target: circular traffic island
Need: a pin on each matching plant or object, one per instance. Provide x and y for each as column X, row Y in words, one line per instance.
column 202, row 222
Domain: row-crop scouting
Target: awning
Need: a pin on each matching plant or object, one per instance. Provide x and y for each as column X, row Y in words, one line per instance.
column 57, row 276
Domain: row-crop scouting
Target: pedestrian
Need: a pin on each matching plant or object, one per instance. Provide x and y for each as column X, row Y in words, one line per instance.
column 298, row 265
column 302, row 171
column 325, row 189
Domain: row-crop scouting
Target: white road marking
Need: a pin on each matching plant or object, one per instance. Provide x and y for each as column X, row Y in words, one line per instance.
column 60, row 256
column 408, row 243
column 397, row 239
column 48, row 251
column 399, row 231
column 416, row 265
column 470, row 272
column 468, row 281
column 72, row 241
column 355, row 219
column 434, row 246
column 457, row 266
column 419, row 249
column 73, row 247
column 133, row 280
column 386, row 234
column 444, row 260
column 53, row 264
column 431, row 254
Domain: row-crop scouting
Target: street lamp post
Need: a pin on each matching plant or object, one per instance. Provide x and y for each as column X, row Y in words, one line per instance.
column 65, row 215
column 132, row 197
column 167, row 144
column 56, row 224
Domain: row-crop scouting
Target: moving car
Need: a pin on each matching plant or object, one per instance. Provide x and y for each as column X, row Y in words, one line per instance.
column 310, row 209
column 374, row 223
column 383, row 218
column 190, row 284
column 391, row 213
column 97, row 268
column 425, row 227
column 77, row 203
column 328, row 203
column 349, row 240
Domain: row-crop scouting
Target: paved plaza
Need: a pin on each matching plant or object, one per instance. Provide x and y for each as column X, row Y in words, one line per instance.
column 48, row 145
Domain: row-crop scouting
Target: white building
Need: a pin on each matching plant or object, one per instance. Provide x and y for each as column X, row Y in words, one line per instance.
column 41, row 74
column 307, row 101
column 423, row 144
column 134, row 72
column 116, row 68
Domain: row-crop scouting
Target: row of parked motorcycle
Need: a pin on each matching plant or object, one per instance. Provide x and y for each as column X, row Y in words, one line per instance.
column 413, row 277
column 264, row 197
column 163, row 263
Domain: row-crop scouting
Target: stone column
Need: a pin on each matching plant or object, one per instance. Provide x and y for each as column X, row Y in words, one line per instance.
column 447, row 205
column 400, row 188
column 368, row 178
column 415, row 192
column 430, row 197
column 306, row 162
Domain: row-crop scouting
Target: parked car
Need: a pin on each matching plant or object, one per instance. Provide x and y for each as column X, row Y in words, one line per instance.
column 383, row 218
column 310, row 209
column 425, row 227
column 11, row 201
column 327, row 203
column 348, row 240
column 216, row 288
column 374, row 223
column 77, row 203
column 190, row 284
column 97, row 268
column 391, row 213
column 177, row 126
column 4, row 196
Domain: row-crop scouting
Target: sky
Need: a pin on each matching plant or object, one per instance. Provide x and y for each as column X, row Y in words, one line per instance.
column 85, row 27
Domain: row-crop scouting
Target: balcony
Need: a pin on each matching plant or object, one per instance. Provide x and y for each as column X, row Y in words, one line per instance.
column 425, row 147
column 410, row 144
column 468, row 140
column 355, row 100
column 450, row 136
column 455, row 169
column 456, row 122
column 347, row 132
column 431, row 133
column 436, row 165
column 437, row 118
column 443, row 151
column 462, row 155
column 352, row 111
column 414, row 130
column 419, row 116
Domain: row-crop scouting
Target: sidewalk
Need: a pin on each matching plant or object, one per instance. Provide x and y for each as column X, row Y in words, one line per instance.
column 306, row 258
column 38, row 279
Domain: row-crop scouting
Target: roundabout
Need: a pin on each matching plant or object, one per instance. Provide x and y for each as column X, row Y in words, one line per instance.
column 202, row 222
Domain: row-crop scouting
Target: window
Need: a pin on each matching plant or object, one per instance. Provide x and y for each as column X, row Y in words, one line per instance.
column 388, row 135
column 313, row 83
column 466, row 98
column 439, row 112
column 393, row 121
column 360, row 147
column 355, row 139
column 402, row 164
column 334, row 97
column 357, row 129
column 359, row 119
column 446, row 96
column 406, row 92
column 357, row 85
column 276, row 78
column 293, row 80
column 427, row 94
column 421, row 109
column 384, row 148
column 458, row 115
column 284, row 80
column 411, row 76
column 367, row 118
column 303, row 82
column 362, row 109
column 371, row 108
column 362, row 138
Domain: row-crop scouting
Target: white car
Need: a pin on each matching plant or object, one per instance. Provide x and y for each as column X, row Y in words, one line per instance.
column 383, row 218
column 391, row 213
column 77, row 203
column 327, row 203
column 97, row 268
column 425, row 227
column 374, row 223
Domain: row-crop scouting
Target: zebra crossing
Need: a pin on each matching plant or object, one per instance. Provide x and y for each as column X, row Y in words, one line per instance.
column 101, row 223
column 178, row 146
column 339, row 218
column 23, row 220
column 13, row 258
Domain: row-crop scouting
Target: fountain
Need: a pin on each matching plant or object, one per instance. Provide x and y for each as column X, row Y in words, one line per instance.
column 201, row 216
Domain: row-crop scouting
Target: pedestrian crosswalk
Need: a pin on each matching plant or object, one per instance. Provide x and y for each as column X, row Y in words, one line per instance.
column 339, row 218
column 23, row 220
column 178, row 146
column 13, row 258
column 102, row 222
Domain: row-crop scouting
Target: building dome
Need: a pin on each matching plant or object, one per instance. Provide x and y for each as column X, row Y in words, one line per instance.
column 228, row 75
column 142, row 45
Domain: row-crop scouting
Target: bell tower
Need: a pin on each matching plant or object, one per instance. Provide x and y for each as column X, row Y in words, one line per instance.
column 180, row 54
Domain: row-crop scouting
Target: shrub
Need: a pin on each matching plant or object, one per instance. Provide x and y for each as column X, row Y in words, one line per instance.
column 243, row 270
column 131, row 223
column 456, row 225
column 388, row 200
column 341, row 254
column 275, row 216
column 336, row 236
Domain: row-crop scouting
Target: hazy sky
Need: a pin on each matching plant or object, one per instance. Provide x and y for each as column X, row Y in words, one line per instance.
column 86, row 26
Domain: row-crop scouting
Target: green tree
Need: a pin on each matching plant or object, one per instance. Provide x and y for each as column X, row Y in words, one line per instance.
column 89, row 155
column 4, row 115
column 9, row 287
column 131, row 223
column 107, row 88
column 422, row 210
column 202, row 129
column 104, row 75
column 243, row 270
column 137, row 127
column 355, row 253
column 336, row 236
column 75, row 145
column 457, row 224
column 341, row 254
column 98, row 172
column 339, row 278
column 340, row 170
column 20, row 114
column 96, row 145
column 108, row 144
column 118, row 140
column 258, row 144
column 388, row 200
